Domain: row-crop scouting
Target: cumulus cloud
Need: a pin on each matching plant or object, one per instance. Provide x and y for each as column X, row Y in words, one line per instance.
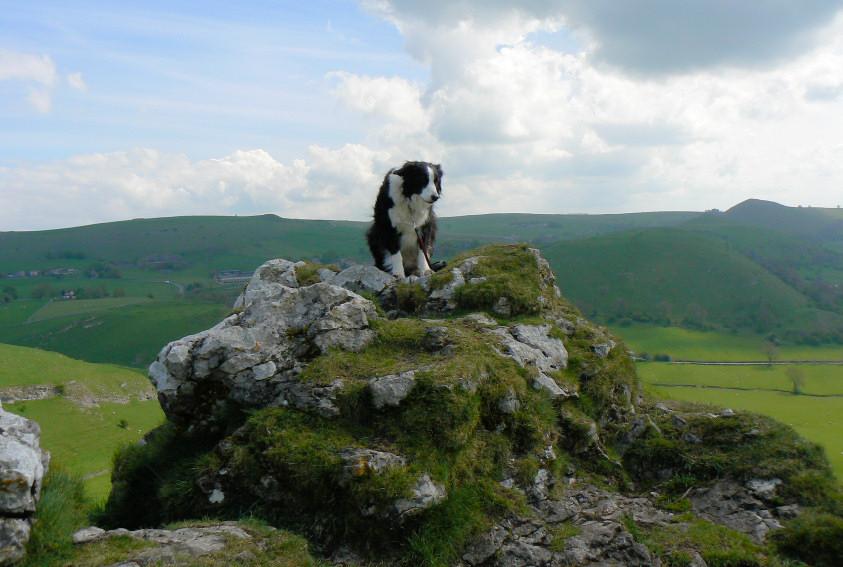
column 664, row 36
column 645, row 104
column 544, row 106
column 145, row 182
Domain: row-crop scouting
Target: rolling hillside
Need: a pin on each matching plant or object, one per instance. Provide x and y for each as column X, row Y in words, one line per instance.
column 129, row 335
column 759, row 267
column 677, row 276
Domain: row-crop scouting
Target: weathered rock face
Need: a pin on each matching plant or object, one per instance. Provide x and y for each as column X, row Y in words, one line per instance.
column 251, row 358
column 22, row 468
column 584, row 526
column 734, row 506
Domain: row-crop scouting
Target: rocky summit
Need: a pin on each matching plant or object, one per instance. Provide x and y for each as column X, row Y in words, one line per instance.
column 471, row 417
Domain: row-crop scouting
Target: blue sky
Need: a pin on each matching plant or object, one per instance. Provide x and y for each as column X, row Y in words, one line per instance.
column 202, row 78
column 116, row 110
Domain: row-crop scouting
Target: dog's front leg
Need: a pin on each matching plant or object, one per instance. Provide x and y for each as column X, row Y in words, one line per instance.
column 422, row 266
column 394, row 264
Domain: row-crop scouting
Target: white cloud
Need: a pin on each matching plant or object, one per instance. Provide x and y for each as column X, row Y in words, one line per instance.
column 39, row 73
column 394, row 99
column 40, row 99
column 75, row 81
column 27, row 67
column 144, row 182
column 705, row 129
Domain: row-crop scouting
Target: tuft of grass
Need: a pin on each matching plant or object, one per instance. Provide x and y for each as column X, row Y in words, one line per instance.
column 560, row 532
column 411, row 297
column 152, row 482
column 61, row 511
column 675, row 544
column 511, row 272
column 814, row 537
column 441, row 532
column 306, row 275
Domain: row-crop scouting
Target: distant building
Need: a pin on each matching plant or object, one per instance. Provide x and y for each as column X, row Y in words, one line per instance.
column 231, row 277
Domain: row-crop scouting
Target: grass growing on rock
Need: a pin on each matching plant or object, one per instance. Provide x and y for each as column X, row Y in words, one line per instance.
column 742, row 446
column 61, row 511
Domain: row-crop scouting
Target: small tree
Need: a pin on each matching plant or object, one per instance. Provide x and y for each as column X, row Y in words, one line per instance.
column 797, row 378
column 771, row 352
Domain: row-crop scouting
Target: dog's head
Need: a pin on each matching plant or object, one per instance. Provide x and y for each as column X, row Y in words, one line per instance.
column 420, row 180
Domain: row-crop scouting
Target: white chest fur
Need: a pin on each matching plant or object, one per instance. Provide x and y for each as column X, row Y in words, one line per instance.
column 405, row 215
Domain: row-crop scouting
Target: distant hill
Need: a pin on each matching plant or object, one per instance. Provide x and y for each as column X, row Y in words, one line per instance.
column 819, row 224
column 216, row 243
column 757, row 267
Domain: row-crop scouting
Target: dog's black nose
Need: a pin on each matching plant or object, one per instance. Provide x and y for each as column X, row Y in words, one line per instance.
column 434, row 198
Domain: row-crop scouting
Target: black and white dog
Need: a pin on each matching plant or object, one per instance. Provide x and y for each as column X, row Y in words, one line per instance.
column 403, row 216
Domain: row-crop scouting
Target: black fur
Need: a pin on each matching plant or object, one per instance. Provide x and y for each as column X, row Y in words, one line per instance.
column 384, row 237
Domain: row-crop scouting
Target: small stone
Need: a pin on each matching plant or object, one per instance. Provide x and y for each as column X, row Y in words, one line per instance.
column 87, row 535
column 691, row 439
column 426, row 493
column 509, row 404
column 390, row 390
column 502, row 307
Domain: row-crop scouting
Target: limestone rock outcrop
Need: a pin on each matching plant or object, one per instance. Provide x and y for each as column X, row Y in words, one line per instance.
column 351, row 403
column 23, row 465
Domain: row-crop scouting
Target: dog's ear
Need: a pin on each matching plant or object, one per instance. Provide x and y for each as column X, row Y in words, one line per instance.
column 401, row 171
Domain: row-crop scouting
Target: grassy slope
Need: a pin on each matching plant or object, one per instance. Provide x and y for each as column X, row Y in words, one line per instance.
column 75, row 307
column 18, row 312
column 84, row 439
column 550, row 228
column 21, row 366
column 818, row 224
column 130, row 336
column 81, row 439
column 215, row 242
column 688, row 344
column 645, row 268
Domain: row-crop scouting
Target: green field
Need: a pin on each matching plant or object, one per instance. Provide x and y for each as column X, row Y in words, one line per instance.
column 19, row 311
column 129, row 336
column 142, row 286
column 84, row 439
column 21, row 366
column 819, row 419
column 687, row 344
column 63, row 308
column 81, row 437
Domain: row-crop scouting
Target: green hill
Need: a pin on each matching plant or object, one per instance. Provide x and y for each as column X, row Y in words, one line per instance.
column 179, row 243
column 819, row 224
column 759, row 266
column 675, row 276
column 93, row 410
column 130, row 335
